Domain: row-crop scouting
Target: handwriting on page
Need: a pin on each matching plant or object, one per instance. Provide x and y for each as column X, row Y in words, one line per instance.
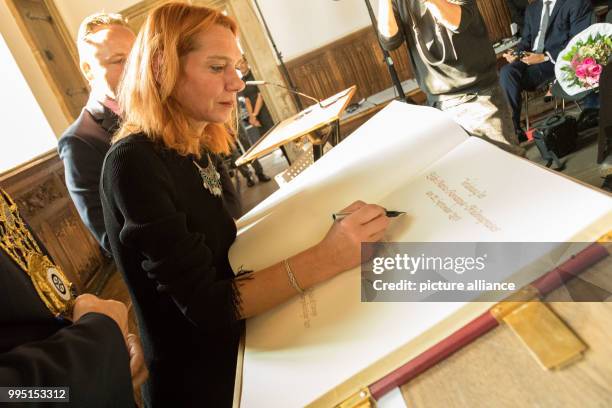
column 309, row 307
column 457, row 200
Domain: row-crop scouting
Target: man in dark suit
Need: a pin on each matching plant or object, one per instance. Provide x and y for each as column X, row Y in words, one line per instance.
column 94, row 356
column 104, row 42
column 549, row 25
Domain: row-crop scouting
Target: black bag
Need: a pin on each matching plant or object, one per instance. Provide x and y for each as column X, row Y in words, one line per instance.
column 559, row 134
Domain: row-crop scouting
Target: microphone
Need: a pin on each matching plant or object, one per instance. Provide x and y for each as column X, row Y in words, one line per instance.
column 257, row 83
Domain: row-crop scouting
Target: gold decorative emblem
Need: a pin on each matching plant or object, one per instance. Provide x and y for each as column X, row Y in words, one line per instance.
column 52, row 286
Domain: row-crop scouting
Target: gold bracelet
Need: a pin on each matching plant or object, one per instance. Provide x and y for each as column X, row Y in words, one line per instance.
column 291, row 277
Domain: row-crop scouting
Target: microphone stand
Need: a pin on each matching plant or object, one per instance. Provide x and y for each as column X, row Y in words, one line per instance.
column 293, row 91
column 279, row 55
column 387, row 57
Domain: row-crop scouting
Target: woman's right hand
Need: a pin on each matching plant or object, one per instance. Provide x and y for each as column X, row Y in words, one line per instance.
column 342, row 244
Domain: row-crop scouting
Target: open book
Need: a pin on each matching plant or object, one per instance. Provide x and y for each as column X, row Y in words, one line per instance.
column 320, row 348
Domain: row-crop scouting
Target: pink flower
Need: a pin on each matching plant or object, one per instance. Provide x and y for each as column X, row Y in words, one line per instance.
column 581, row 71
column 592, row 81
column 595, row 70
column 575, row 61
column 589, row 61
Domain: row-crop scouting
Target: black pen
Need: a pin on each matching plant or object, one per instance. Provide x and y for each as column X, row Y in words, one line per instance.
column 390, row 214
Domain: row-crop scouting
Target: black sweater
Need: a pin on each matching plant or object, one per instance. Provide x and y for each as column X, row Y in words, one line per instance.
column 170, row 238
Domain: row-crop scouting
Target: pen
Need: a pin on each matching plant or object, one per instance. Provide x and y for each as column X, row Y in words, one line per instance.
column 390, row 214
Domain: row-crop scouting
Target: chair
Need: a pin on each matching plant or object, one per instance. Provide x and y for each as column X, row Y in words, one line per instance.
column 532, row 92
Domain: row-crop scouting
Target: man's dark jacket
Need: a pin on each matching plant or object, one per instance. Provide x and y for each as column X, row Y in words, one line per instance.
column 82, row 148
column 568, row 18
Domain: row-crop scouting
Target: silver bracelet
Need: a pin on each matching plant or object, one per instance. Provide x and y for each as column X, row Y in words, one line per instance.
column 291, row 277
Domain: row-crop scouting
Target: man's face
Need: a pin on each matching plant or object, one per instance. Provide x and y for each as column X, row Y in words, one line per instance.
column 104, row 57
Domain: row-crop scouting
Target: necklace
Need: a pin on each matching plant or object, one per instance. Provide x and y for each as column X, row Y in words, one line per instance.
column 211, row 179
column 16, row 240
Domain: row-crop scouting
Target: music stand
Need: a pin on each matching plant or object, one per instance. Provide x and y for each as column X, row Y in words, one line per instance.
column 307, row 121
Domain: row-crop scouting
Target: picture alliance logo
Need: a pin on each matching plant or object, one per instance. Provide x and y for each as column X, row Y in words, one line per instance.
column 413, row 264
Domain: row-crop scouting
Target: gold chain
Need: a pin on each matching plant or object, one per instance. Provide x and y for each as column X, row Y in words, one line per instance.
column 54, row 289
column 15, row 238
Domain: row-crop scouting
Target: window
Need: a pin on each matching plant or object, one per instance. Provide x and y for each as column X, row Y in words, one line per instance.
column 24, row 130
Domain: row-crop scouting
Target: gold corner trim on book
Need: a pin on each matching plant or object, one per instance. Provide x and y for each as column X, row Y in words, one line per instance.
column 511, row 303
column 361, row 399
column 606, row 238
column 545, row 335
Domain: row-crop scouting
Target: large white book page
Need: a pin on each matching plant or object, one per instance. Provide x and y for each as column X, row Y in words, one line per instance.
column 381, row 155
column 328, row 344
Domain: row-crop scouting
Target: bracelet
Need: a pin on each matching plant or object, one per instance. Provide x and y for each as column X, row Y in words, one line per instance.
column 291, row 277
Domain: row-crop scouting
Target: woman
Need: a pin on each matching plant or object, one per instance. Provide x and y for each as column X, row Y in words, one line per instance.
column 168, row 228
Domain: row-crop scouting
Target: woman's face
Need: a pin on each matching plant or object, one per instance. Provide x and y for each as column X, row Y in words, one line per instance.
column 208, row 83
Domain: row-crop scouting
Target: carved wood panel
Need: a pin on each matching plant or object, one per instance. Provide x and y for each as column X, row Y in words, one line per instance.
column 38, row 189
column 496, row 16
column 354, row 59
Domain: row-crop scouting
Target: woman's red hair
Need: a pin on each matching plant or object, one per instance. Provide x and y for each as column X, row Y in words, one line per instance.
column 146, row 94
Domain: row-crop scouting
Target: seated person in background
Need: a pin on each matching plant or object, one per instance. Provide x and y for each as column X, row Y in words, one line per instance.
column 94, row 356
column 454, row 63
column 549, row 25
column 168, row 227
column 104, row 42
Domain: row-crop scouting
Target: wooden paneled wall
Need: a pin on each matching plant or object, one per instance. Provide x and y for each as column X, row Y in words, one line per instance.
column 354, row 59
column 39, row 190
column 496, row 17
column 357, row 59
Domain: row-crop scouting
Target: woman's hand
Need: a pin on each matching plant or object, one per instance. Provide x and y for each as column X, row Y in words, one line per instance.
column 342, row 244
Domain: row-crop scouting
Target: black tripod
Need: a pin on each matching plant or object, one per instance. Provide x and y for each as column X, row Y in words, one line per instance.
column 388, row 60
column 279, row 55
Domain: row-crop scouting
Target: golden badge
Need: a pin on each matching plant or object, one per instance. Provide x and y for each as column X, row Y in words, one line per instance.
column 54, row 289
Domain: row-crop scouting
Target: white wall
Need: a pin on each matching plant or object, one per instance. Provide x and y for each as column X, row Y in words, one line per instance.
column 27, row 131
column 300, row 26
column 74, row 11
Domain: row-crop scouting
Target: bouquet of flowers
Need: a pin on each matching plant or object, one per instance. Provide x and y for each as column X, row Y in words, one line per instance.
column 581, row 62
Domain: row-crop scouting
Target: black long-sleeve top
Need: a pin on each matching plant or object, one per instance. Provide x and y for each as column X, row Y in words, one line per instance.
column 170, row 238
